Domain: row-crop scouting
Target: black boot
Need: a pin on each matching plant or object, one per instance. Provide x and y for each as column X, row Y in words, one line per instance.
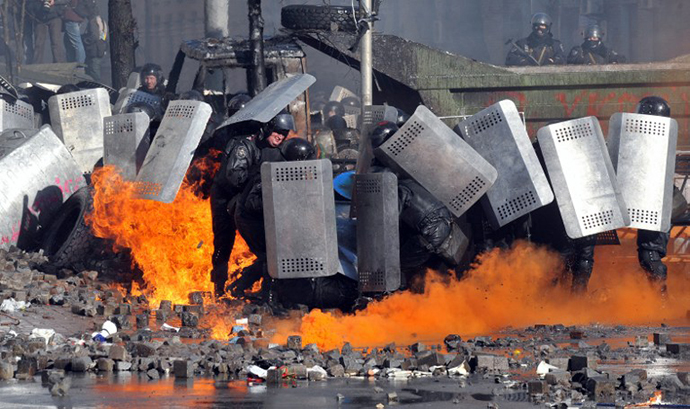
column 650, row 261
column 582, row 271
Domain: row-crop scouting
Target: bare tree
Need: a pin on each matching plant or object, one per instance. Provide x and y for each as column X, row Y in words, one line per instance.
column 122, row 42
column 257, row 73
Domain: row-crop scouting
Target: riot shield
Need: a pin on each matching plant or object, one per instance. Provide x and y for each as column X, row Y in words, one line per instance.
column 299, row 217
column 339, row 93
column 172, row 150
column 130, row 96
column 77, row 119
column 373, row 114
column 37, row 175
column 125, row 142
column 582, row 177
column 378, row 240
column 643, row 153
column 499, row 135
column 445, row 165
column 272, row 100
column 19, row 115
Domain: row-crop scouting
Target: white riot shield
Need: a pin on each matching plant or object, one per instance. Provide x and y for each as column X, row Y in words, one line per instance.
column 582, row 177
column 269, row 102
column 125, row 142
column 445, row 165
column 499, row 135
column 172, row 150
column 378, row 240
column 339, row 93
column 299, row 217
column 373, row 114
column 643, row 153
column 19, row 115
column 37, row 175
column 77, row 119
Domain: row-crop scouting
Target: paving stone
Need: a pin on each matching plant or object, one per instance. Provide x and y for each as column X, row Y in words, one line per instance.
column 430, row 359
column 336, row 371
column 183, row 369
column 27, row 366
column 417, row 347
column 144, row 350
column 196, row 297
column 558, row 378
column 297, row 371
column 255, row 320
column 600, row 388
column 118, row 353
column 162, row 315
column 578, row 362
column 452, row 342
column 81, row 364
column 123, row 366
column 6, row 371
column 678, row 348
column 105, row 364
column 537, row 387
column 294, row 342
column 153, row 374
column 661, row 339
column 189, row 319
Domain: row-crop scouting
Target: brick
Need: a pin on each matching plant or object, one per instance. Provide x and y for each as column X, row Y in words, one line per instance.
column 123, row 366
column 297, row 371
column 600, row 388
column 142, row 320
column 123, row 309
column 578, row 362
column 153, row 374
column 678, row 348
column 118, row 353
column 560, row 362
column 196, row 297
column 6, row 371
column 144, row 350
column 105, row 365
column 121, row 321
column 417, row 347
column 336, row 371
column 27, row 366
column 255, row 320
column 558, row 378
column 661, row 339
column 183, row 369
column 576, row 334
column 537, row 388
column 189, row 319
column 274, row 376
column 162, row 314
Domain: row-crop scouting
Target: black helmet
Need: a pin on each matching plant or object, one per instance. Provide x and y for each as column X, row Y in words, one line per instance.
column 653, row 106
column 336, row 122
column 382, row 132
column 402, row 117
column 351, row 102
column 295, row 149
column 237, row 102
column 67, row 88
column 192, row 95
column 594, row 31
column 541, row 19
column 151, row 69
column 281, row 123
column 141, row 106
column 335, row 107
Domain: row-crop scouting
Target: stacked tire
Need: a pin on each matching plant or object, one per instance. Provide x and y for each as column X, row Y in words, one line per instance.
column 331, row 18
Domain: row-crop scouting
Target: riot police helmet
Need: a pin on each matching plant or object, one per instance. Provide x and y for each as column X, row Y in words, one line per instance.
column 402, row 117
column 351, row 102
column 333, row 108
column 151, row 69
column 653, row 106
column 297, row 149
column 282, row 123
column 594, row 31
column 539, row 21
column 192, row 95
column 237, row 102
column 141, row 106
column 336, row 122
column 382, row 132
column 67, row 88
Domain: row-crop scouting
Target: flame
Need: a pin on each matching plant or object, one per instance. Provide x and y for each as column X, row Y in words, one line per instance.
column 171, row 243
column 517, row 287
column 654, row 400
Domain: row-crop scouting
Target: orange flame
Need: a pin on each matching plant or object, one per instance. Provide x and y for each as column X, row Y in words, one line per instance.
column 654, row 400
column 517, row 287
column 171, row 243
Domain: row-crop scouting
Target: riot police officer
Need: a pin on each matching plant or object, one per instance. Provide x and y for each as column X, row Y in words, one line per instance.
column 651, row 245
column 152, row 80
column 539, row 48
column 593, row 51
column 242, row 158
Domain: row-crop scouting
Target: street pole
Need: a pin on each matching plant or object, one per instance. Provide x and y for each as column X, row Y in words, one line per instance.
column 366, row 57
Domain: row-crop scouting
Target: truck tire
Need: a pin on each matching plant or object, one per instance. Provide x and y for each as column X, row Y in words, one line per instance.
column 306, row 17
column 69, row 240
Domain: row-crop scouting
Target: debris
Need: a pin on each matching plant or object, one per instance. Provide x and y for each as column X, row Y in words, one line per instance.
column 170, row 328
column 10, row 305
column 543, row 368
column 45, row 334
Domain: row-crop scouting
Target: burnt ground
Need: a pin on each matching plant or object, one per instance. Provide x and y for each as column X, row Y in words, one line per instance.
column 587, row 365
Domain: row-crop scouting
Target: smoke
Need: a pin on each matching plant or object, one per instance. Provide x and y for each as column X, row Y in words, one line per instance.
column 519, row 287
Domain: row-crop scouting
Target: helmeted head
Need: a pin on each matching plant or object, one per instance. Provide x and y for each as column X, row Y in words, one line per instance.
column 192, row 95
column 151, row 76
column 541, row 24
column 593, row 36
column 336, row 122
column 382, row 132
column 333, row 108
column 278, row 128
column 297, row 149
column 67, row 88
column 141, row 106
column 351, row 102
column 238, row 102
column 653, row 106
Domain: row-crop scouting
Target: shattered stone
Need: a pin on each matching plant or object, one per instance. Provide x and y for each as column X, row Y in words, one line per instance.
column 558, row 378
column 162, row 314
column 123, row 365
column 576, row 334
column 26, row 367
column 189, row 320
column 118, row 353
column 123, row 309
column 600, row 387
column 122, row 322
column 61, row 387
column 336, row 371
column 294, row 342
column 678, row 348
column 196, row 297
column 392, row 397
column 255, row 320
column 6, row 371
column 153, row 374
column 417, row 347
column 183, row 369
column 661, row 339
column 429, row 358
column 81, row 364
column 452, row 342
column 537, row 388
column 578, row 362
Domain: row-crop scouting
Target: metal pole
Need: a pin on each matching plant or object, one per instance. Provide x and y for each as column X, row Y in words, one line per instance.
column 366, row 70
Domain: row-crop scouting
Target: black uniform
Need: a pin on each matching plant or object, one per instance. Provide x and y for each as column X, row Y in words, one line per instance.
column 594, row 53
column 535, row 50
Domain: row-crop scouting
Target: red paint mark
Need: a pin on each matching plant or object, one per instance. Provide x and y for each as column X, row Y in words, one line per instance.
column 570, row 108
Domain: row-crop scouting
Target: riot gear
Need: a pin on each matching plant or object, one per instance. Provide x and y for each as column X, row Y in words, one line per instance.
column 351, row 102
column 192, row 95
column 141, row 106
column 594, row 52
column 539, row 48
column 539, row 20
column 653, row 106
column 282, row 123
column 402, row 118
column 237, row 102
column 333, row 108
column 156, row 71
column 297, row 149
column 382, row 132
column 67, row 88
column 336, row 122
